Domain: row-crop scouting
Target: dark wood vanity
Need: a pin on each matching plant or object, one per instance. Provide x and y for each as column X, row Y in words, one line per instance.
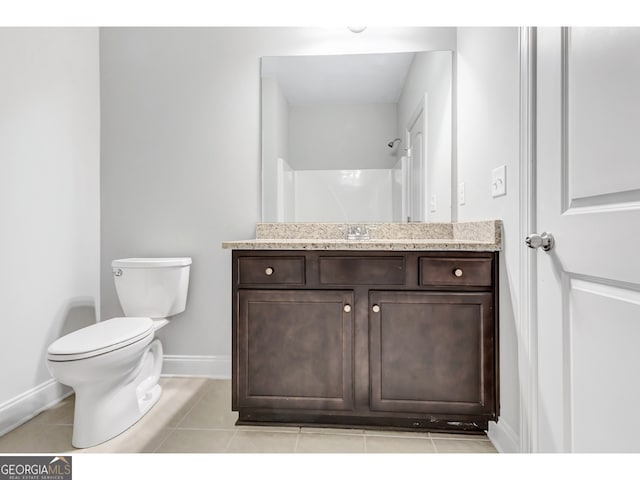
column 385, row 339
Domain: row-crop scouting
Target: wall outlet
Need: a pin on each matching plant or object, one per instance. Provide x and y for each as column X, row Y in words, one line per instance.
column 499, row 181
column 461, row 193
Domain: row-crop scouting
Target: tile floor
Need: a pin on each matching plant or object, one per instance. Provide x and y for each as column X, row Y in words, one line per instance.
column 194, row 415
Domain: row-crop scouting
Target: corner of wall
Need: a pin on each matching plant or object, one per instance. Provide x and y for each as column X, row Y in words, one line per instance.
column 503, row 437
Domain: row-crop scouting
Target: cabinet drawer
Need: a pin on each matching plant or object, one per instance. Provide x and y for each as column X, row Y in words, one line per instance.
column 362, row 270
column 271, row 271
column 453, row 271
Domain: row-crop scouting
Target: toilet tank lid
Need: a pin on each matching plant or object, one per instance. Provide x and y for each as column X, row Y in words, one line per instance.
column 151, row 262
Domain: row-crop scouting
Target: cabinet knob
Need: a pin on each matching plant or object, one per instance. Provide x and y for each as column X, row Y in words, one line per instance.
column 268, row 271
column 347, row 308
column 457, row 272
column 375, row 308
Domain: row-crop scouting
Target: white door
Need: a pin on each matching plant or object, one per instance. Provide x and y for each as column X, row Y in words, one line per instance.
column 588, row 198
column 417, row 166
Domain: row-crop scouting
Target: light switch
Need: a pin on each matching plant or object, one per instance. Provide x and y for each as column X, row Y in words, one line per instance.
column 461, row 193
column 432, row 204
column 499, row 181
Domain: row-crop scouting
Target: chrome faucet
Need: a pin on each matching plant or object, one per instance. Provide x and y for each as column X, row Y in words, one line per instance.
column 357, row 231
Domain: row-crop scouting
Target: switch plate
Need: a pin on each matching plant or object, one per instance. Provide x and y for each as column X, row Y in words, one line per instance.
column 461, row 193
column 433, row 203
column 499, row 181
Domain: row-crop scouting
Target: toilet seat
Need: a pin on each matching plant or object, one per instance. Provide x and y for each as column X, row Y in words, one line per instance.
column 101, row 338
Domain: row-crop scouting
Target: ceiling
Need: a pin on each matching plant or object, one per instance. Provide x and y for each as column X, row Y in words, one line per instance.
column 340, row 79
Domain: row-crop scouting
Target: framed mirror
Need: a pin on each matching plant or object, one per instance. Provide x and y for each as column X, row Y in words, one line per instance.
column 357, row 138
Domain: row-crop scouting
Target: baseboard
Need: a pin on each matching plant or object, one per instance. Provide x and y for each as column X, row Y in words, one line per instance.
column 503, row 437
column 27, row 405
column 216, row 366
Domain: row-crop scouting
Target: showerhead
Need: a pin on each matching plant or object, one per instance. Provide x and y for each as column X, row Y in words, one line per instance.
column 393, row 142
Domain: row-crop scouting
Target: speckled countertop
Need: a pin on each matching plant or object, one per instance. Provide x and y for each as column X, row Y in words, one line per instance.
column 468, row 236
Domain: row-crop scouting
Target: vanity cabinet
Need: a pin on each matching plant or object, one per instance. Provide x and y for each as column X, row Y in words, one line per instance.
column 395, row 339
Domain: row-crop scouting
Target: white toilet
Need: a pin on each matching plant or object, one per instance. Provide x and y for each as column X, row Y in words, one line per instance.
column 114, row 365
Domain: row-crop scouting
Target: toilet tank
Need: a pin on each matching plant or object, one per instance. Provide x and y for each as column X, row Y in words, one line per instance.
column 152, row 287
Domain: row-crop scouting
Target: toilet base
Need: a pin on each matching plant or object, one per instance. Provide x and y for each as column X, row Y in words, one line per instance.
column 105, row 411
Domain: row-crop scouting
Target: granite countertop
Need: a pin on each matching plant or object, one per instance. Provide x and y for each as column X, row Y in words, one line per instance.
column 465, row 236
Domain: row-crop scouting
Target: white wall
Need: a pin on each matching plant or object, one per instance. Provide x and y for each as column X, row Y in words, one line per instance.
column 488, row 137
column 344, row 136
column 431, row 75
column 399, row 182
column 49, row 204
column 275, row 145
column 347, row 196
column 181, row 154
column 286, row 192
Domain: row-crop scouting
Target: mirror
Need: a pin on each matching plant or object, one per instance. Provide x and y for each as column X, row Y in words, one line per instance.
column 357, row 138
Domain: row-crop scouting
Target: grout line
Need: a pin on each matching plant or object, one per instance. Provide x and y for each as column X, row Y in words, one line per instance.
column 433, row 443
column 195, row 403
column 329, row 432
column 226, row 448
column 392, row 434
column 295, row 448
column 267, row 428
column 162, row 442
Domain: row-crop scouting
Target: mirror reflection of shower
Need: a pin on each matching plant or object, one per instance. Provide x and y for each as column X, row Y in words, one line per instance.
column 328, row 120
column 393, row 142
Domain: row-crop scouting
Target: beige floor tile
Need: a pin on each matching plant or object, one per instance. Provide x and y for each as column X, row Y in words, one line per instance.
column 379, row 444
column 391, row 433
column 459, row 436
column 194, row 415
column 140, row 438
column 267, row 428
column 59, row 414
column 463, row 446
column 222, row 386
column 37, row 438
column 263, row 442
column 213, row 410
column 330, row 443
column 179, row 396
column 333, row 431
column 196, row 441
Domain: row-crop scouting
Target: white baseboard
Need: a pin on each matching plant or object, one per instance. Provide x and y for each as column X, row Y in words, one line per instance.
column 214, row 366
column 27, row 405
column 503, row 437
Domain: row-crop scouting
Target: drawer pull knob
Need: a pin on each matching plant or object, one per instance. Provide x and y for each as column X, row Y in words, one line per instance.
column 375, row 308
column 268, row 271
column 347, row 308
column 457, row 272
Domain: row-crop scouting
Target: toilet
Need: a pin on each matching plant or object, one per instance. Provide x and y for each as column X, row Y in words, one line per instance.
column 114, row 365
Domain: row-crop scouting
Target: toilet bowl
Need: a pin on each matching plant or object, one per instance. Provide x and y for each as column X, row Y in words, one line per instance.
column 114, row 366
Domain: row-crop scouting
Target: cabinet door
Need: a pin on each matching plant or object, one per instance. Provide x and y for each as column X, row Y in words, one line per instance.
column 295, row 349
column 432, row 352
